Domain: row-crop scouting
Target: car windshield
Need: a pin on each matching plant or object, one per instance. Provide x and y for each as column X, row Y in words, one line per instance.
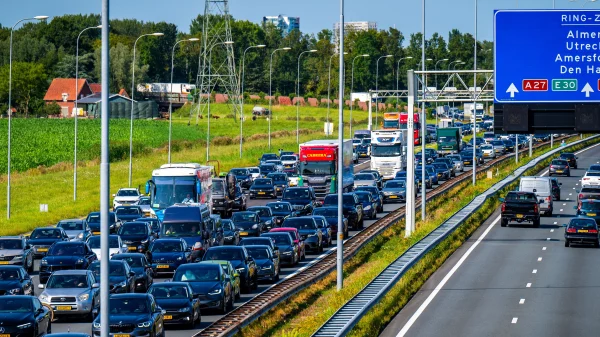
column 255, row 241
column 144, row 201
column 133, row 262
column 583, row 223
column 262, row 211
column 521, row 197
column 66, row 250
column 497, row 143
column 280, row 178
column 160, row 291
column 386, row 150
column 70, row 225
column 239, row 172
column 567, row 155
column 128, row 193
column 128, row 306
column 243, row 217
column 592, row 174
column 49, row 233
column 331, row 199
column 275, row 162
column 288, row 158
column 254, row 170
column 401, row 174
column 166, row 247
column 364, row 176
column 11, row 244
column 326, row 212
column 94, row 242
column 228, row 225
column 440, row 165
column 9, row 275
column 181, row 229
column 395, row 184
column 267, row 168
column 258, row 252
column 363, row 197
column 95, row 218
column 115, row 268
column 295, row 193
column 487, row 147
column 299, row 223
column 280, row 207
column 199, row 273
column 280, row 239
column 10, row 304
column 134, row 229
column 455, row 158
column 67, row 281
column 223, row 254
column 128, row 211
column 263, row 182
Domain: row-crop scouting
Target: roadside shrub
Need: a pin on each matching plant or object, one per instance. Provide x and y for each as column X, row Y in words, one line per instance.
column 309, row 119
column 222, row 140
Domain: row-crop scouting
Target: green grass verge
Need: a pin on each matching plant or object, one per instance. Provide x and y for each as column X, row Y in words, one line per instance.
column 303, row 313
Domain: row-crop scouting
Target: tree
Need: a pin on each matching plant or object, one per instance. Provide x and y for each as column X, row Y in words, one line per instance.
column 29, row 81
column 51, row 109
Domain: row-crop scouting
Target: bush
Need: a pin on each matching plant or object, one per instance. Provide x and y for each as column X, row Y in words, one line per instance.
column 258, row 136
column 222, row 140
column 52, row 109
column 309, row 119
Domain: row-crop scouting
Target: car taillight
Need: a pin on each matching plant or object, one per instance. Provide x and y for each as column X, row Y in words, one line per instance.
column 548, row 199
column 595, row 231
column 536, row 209
column 571, row 230
column 503, row 207
column 198, row 246
column 586, row 178
column 551, row 166
column 580, row 196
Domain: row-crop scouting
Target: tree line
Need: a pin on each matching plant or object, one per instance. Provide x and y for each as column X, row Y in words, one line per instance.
column 46, row 50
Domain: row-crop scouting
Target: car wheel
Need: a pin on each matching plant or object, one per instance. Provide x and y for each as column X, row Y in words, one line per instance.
column 566, row 243
column 320, row 248
column 49, row 329
column 255, row 284
column 304, row 254
column 276, row 278
column 230, row 303
column 597, row 244
column 549, row 213
column 192, row 324
column 223, row 309
column 503, row 222
column 536, row 223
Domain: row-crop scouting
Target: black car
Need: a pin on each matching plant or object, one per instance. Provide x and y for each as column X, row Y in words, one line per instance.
column 66, row 255
column 209, row 284
column 309, row 232
column 133, row 315
column 179, row 303
column 240, row 202
column 288, row 250
column 261, row 240
column 14, row 250
column 331, row 216
column 93, row 221
column 128, row 213
column 555, row 188
column 267, row 262
column 155, row 225
column 136, row 235
column 302, row 199
column 120, row 276
column 352, row 208
column 559, row 167
column 41, row 239
column 442, row 170
column 262, row 188
column 369, row 204
column 249, row 223
column 240, row 260
column 14, row 280
column 267, row 168
column 242, row 176
column 267, row 156
column 280, row 211
column 265, row 214
column 582, row 230
column 231, row 234
column 375, row 193
column 168, row 254
column 144, row 277
column 280, row 180
column 24, row 315
column 571, row 158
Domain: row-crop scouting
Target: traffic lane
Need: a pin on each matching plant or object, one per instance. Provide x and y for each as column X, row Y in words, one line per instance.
column 499, row 284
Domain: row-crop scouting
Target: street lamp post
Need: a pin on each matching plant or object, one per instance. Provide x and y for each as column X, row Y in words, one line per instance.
column 475, row 99
column 298, row 97
column 435, row 68
column 242, row 89
column 377, row 87
column 329, row 84
column 39, row 17
column 75, row 113
column 270, row 94
column 193, row 39
column 398, row 79
column 132, row 97
column 352, row 89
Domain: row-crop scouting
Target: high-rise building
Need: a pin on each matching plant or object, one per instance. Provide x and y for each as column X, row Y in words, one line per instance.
column 285, row 23
column 351, row 26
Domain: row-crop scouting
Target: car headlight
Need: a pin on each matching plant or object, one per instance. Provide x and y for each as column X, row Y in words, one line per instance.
column 229, row 237
column 14, row 291
column 311, row 235
column 145, row 324
column 287, row 253
column 79, row 261
column 84, row 297
column 18, row 257
column 215, row 292
column 120, row 284
column 145, row 241
column 240, row 270
column 254, row 226
column 97, row 325
column 269, row 267
column 180, row 258
column 80, row 236
column 368, row 208
column 24, row 326
column 186, row 309
column 44, row 262
column 268, row 222
column 43, row 298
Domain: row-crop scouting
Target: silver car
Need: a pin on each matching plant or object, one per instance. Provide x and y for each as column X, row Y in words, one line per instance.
column 458, row 163
column 76, row 229
column 364, row 179
column 72, row 292
column 488, row 151
column 14, row 250
column 278, row 164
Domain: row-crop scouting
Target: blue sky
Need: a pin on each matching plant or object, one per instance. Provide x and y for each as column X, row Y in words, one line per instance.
column 405, row 15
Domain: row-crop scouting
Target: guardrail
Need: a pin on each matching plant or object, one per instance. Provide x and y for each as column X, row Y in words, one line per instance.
column 348, row 315
column 261, row 303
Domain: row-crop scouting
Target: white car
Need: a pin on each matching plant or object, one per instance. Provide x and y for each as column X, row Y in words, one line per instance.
column 144, row 203
column 289, row 161
column 254, row 171
column 488, row 151
column 458, row 163
column 591, row 178
column 116, row 246
column 293, row 180
column 126, row 197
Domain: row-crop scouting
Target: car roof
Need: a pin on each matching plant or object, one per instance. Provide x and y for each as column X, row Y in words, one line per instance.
column 128, row 255
column 71, row 220
column 258, row 246
column 10, row 267
column 72, row 272
column 172, row 283
column 168, row 240
column 225, row 247
column 283, row 229
column 130, row 295
column 258, row 207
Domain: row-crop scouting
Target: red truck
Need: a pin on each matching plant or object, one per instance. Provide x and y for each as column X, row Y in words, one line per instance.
column 416, row 125
column 319, row 161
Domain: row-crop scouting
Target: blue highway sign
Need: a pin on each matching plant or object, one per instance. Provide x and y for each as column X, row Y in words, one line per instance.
column 547, row 56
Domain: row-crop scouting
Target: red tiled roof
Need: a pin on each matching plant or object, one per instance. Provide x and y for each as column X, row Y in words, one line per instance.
column 66, row 85
column 123, row 93
column 96, row 87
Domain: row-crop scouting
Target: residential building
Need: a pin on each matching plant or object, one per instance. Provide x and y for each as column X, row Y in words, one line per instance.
column 351, row 26
column 285, row 23
column 63, row 91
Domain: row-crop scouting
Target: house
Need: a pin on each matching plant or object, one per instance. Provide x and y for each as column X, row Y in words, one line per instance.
column 91, row 105
column 96, row 88
column 64, row 90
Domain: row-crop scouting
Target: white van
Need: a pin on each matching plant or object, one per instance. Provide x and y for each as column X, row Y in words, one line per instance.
column 542, row 187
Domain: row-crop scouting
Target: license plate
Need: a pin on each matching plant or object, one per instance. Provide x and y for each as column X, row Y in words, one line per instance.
column 5, row 335
column 519, row 216
column 591, row 214
column 63, row 307
column 288, row 166
column 393, row 196
column 168, row 317
column 261, row 192
column 96, row 233
column 131, row 248
column 243, row 233
column 3, row 262
column 467, row 163
column 559, row 171
column 42, row 249
column 582, row 231
column 162, row 266
column 122, row 335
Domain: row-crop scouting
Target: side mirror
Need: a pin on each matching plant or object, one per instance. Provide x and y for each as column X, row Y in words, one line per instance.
column 40, row 286
column 96, row 285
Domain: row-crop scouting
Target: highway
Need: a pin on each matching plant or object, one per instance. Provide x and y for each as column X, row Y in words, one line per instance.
column 74, row 324
column 512, row 281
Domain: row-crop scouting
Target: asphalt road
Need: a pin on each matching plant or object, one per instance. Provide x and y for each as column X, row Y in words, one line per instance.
column 512, row 281
column 75, row 324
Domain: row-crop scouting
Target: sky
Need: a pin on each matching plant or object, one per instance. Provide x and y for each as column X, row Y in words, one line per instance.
column 315, row 15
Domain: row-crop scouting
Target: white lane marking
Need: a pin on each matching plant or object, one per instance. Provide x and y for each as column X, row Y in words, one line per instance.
column 552, row 230
column 543, row 248
column 534, row 271
column 439, row 287
column 528, row 285
column 555, row 222
column 570, row 193
column 573, row 187
column 576, row 184
column 547, row 239
column 514, row 320
column 561, row 209
column 567, row 198
column 522, row 301
column 539, row 259
column 564, row 204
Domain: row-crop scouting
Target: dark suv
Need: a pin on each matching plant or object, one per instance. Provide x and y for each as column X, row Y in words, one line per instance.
column 352, row 208
column 571, row 158
column 302, row 199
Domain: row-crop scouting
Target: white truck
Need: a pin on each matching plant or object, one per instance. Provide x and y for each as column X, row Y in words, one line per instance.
column 468, row 111
column 388, row 152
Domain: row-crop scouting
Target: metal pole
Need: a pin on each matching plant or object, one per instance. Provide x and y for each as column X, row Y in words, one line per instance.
column 410, row 167
column 423, row 129
column 475, row 99
column 104, row 179
column 551, row 140
column 516, row 148
column 340, row 168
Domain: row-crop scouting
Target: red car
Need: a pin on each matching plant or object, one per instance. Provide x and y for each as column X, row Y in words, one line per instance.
column 296, row 236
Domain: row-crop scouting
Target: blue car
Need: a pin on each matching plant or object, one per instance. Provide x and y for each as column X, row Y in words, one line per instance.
column 432, row 173
column 266, row 262
column 209, row 283
column 41, row 239
column 242, row 176
column 166, row 255
column 369, row 204
column 66, row 255
column 375, row 193
column 133, row 315
column 325, row 228
column 177, row 299
column 137, row 236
